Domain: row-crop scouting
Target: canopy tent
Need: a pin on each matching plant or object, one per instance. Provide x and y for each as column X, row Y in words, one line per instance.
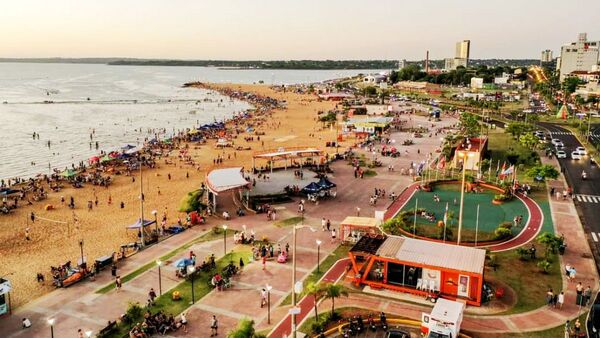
column 183, row 262
column 138, row 224
column 285, row 154
column 326, row 183
column 68, row 173
column 312, row 188
column 356, row 227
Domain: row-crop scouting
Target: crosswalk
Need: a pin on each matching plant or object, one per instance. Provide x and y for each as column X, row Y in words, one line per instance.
column 588, row 198
column 561, row 133
column 595, row 237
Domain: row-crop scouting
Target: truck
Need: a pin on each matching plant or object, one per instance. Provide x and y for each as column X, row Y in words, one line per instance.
column 444, row 320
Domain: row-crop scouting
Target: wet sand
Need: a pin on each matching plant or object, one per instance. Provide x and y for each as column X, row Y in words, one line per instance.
column 103, row 228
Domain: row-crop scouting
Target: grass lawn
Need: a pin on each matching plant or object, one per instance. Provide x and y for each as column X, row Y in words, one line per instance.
column 208, row 236
column 370, row 173
column 288, row 221
column 340, row 252
column 201, row 289
column 525, row 278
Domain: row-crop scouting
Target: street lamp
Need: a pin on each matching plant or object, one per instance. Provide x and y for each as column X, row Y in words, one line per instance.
column 224, row 239
column 81, row 249
column 318, row 255
column 88, row 333
column 464, row 156
column 294, row 286
column 51, row 323
column 269, row 287
column 159, row 263
column 191, row 269
column 154, row 212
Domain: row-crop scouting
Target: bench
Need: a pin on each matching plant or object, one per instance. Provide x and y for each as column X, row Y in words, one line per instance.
column 111, row 327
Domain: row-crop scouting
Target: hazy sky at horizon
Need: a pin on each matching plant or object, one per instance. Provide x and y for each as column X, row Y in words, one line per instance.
column 301, row 29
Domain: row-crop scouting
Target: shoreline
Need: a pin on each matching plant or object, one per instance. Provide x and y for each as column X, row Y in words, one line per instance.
column 103, row 228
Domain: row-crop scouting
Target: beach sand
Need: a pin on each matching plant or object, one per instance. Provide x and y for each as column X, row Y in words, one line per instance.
column 103, row 228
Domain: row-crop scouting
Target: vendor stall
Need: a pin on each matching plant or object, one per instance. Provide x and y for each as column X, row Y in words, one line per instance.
column 419, row 267
column 353, row 228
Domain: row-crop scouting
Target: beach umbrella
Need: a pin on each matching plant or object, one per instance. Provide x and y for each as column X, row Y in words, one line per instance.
column 325, row 183
column 68, row 173
column 94, row 159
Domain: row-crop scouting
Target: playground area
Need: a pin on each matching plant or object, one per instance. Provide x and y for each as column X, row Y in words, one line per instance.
column 431, row 207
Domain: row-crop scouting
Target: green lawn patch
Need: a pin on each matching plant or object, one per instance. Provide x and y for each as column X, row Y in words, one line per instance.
column 525, row 278
column 201, row 288
column 216, row 233
column 340, row 252
column 370, row 173
column 288, row 221
column 557, row 332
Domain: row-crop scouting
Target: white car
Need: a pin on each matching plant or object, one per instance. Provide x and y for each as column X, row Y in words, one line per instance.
column 559, row 145
column 561, row 154
column 581, row 151
column 576, row 155
column 555, row 141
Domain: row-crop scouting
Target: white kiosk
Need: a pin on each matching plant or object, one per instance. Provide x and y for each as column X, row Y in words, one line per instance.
column 5, row 288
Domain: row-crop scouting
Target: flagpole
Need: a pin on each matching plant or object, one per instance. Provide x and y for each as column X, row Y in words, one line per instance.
column 415, row 221
column 445, row 221
column 490, row 171
column 477, row 225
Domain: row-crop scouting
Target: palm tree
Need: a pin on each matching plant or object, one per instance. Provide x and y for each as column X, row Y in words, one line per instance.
column 317, row 290
column 333, row 291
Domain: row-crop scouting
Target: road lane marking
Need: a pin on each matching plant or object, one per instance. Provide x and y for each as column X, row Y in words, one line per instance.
column 588, row 198
column 594, row 237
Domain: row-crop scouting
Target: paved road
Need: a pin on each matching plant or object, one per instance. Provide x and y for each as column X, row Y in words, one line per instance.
column 586, row 193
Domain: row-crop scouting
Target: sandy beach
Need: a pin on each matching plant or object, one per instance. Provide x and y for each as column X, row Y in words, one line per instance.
column 103, row 228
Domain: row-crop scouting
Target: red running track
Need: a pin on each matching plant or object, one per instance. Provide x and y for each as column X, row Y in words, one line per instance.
column 529, row 232
column 306, row 304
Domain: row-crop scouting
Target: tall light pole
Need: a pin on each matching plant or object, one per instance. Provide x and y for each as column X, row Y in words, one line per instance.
column 191, row 269
column 224, row 240
column 269, row 287
column 142, row 204
column 51, row 323
column 155, row 213
column 159, row 263
column 81, row 249
column 464, row 156
column 318, row 255
column 295, row 288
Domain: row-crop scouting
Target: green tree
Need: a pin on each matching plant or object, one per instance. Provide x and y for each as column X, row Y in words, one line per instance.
column 469, row 124
column 333, row 291
column 570, row 85
column 245, row 329
column 528, row 140
column 544, row 171
column 551, row 242
column 317, row 291
column 516, row 129
column 370, row 91
column 192, row 202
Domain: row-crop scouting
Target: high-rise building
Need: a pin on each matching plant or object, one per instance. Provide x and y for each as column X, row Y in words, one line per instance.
column 580, row 55
column 546, row 56
column 463, row 49
column 401, row 64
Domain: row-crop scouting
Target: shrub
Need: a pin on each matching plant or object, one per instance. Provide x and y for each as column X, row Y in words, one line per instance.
column 502, row 233
column 544, row 266
column 506, row 225
column 523, row 253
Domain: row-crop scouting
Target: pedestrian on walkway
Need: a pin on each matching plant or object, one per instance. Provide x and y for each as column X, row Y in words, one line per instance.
column 333, row 235
column 152, row 296
column 118, row 283
column 214, row 326
column 551, row 191
column 323, row 223
column 264, row 262
column 549, row 297
column 557, row 194
column 263, row 298
column 328, row 224
column 561, row 300
column 80, row 333
column 183, row 321
column 113, row 270
column 587, row 295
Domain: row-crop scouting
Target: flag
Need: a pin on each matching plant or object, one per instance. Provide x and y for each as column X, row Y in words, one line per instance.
column 508, row 171
column 446, row 214
column 442, row 163
column 501, row 174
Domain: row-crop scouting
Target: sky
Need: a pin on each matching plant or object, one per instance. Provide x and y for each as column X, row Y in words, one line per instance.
column 286, row 29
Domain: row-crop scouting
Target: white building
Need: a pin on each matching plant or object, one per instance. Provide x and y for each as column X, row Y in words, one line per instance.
column 477, row 82
column 401, row 64
column 581, row 55
column 546, row 56
column 463, row 49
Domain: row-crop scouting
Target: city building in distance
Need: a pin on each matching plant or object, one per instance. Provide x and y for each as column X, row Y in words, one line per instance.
column 461, row 57
column 581, row 55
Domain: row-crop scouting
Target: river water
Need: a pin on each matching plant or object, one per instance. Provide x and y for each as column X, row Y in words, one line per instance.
column 118, row 104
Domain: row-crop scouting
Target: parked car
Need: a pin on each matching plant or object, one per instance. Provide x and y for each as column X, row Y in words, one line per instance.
column 561, row 154
column 395, row 333
column 575, row 155
column 581, row 151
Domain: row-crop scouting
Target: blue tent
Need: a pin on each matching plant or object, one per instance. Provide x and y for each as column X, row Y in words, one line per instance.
column 183, row 263
column 312, row 188
column 138, row 224
column 326, row 184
